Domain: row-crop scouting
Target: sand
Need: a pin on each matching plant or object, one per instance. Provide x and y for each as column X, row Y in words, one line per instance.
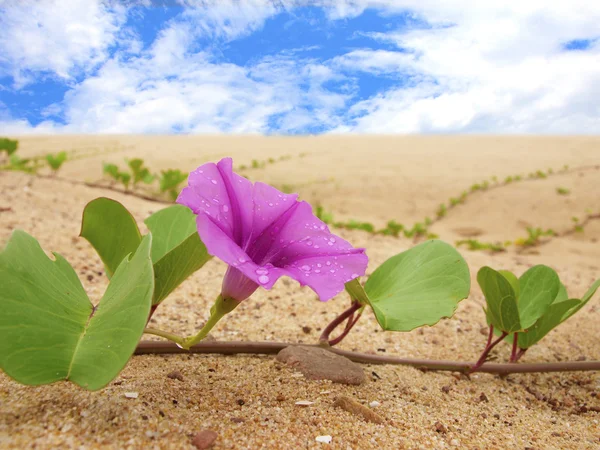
column 250, row 400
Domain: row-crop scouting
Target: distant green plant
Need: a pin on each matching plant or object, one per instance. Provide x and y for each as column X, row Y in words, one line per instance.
column 112, row 170
column 474, row 244
column 8, row 146
column 56, row 161
column 562, row 191
column 533, row 236
column 321, row 214
column 139, row 172
column 170, row 180
column 392, row 228
column 21, row 164
column 441, row 212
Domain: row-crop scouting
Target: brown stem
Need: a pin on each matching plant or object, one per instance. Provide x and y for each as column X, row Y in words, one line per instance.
column 513, row 353
column 520, row 353
column 486, row 351
column 349, row 324
column 237, row 347
column 355, row 306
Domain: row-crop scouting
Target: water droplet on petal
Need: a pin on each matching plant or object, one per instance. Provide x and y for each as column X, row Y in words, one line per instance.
column 263, row 279
column 316, row 246
column 261, row 271
column 323, row 227
column 332, row 270
column 309, row 243
column 328, row 263
column 319, row 265
column 332, row 239
column 355, row 275
column 305, row 267
column 341, row 266
column 317, row 271
column 225, row 208
column 270, row 204
column 216, row 201
column 213, row 181
column 242, row 259
column 330, row 243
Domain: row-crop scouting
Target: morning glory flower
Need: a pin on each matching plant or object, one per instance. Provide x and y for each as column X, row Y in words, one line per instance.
column 264, row 234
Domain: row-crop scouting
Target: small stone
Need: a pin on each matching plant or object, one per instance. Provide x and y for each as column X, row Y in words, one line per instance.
column 440, row 428
column 374, row 404
column 280, row 398
column 483, row 397
column 306, row 329
column 446, row 389
column 352, row 406
column 131, row 394
column 237, row 420
column 324, row 439
column 321, row 364
column 204, row 439
column 175, row 375
column 304, row 403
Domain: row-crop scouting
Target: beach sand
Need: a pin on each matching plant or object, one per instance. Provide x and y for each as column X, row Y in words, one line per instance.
column 250, row 400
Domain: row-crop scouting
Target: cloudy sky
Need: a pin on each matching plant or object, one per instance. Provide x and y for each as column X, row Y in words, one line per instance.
column 281, row 67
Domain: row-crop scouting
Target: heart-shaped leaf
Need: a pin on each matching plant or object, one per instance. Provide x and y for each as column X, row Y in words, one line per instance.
column 418, row 287
column 49, row 329
column 502, row 311
column 112, row 231
column 177, row 250
column 539, row 287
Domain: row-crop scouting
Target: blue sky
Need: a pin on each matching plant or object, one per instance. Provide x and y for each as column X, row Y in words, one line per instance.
column 274, row 67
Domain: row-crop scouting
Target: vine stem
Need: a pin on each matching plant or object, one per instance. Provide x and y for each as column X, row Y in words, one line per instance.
column 346, row 315
column 267, row 348
column 488, row 348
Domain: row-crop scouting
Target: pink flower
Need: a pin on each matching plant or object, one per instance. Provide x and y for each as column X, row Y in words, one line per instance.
column 263, row 234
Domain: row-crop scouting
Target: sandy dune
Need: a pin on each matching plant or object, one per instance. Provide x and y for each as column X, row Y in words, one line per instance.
column 374, row 179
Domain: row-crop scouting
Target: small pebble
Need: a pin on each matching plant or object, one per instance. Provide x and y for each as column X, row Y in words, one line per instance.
column 175, row 375
column 204, row 439
column 324, row 439
column 304, row 403
column 131, row 394
column 374, row 404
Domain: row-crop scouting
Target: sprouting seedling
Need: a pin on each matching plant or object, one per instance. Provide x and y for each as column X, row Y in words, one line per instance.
column 534, row 236
column 392, row 228
column 21, row 164
column 170, row 180
column 474, row 244
column 112, row 170
column 320, row 212
column 139, row 172
column 56, row 161
column 8, row 146
column 514, row 304
column 562, row 191
column 441, row 212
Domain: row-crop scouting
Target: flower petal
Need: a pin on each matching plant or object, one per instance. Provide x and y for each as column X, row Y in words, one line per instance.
column 214, row 190
column 312, row 255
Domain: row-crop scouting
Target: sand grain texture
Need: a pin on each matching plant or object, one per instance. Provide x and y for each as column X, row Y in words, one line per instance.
column 250, row 401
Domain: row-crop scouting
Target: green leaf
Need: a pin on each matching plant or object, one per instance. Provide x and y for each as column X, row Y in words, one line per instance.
column 49, row 329
column 513, row 280
column 539, row 287
column 177, row 250
column 586, row 298
column 357, row 292
column 551, row 319
column 418, row 287
column 112, row 231
column 502, row 311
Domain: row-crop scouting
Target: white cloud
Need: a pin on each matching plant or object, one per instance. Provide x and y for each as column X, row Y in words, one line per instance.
column 58, row 37
column 497, row 67
column 460, row 66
